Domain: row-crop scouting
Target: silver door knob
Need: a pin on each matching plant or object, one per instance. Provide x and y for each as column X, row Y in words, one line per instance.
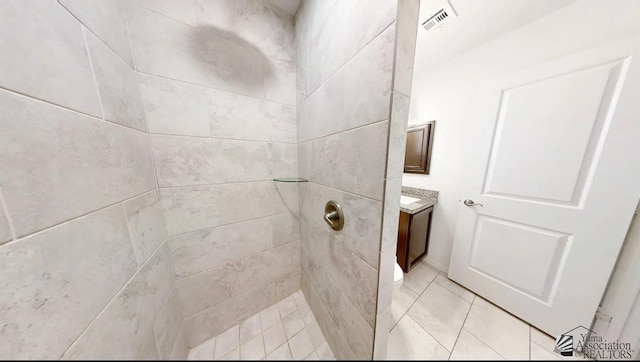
column 468, row 202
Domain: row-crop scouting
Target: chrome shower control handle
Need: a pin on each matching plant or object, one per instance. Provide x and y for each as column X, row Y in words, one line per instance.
column 331, row 217
column 468, row 202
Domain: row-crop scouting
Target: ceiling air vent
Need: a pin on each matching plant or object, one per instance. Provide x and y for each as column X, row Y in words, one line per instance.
column 438, row 19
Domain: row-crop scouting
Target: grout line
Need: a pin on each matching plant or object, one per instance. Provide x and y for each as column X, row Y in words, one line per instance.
column 463, row 323
column 12, row 229
column 93, row 321
column 229, row 224
column 218, row 184
column 155, row 319
column 175, row 343
column 234, row 261
column 353, row 304
column 133, row 247
column 413, row 303
column 144, row 109
column 82, row 23
column 93, row 70
column 216, row 89
column 481, row 341
column 347, row 61
column 343, row 245
column 14, row 92
column 74, row 219
column 345, row 192
column 344, row 131
column 332, row 321
column 163, row 15
column 221, row 138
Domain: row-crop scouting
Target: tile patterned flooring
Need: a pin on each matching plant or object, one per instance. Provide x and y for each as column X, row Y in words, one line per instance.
column 286, row 330
column 435, row 318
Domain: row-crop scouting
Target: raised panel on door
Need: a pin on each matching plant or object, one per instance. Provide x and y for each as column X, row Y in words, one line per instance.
column 549, row 130
column 533, row 256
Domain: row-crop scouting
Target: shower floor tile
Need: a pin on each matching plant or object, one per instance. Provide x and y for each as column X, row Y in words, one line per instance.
column 287, row 330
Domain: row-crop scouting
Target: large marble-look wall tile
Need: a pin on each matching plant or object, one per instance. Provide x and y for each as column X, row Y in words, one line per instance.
column 289, row 284
column 179, row 108
column 206, row 249
column 397, row 135
column 368, row 82
column 173, row 107
column 120, row 331
column 107, row 20
column 240, row 117
column 200, row 161
column 194, row 208
column 146, row 224
column 305, row 157
column 77, row 266
column 361, row 232
column 354, row 278
column 358, row 333
column 356, row 95
column 391, row 213
column 310, row 15
column 181, row 345
column 168, row 323
column 166, row 47
column 353, row 161
column 5, row 228
column 181, row 10
column 386, row 277
column 208, row 288
column 264, row 268
column 302, row 51
column 345, row 84
column 203, row 290
column 149, row 350
column 323, row 112
column 96, row 163
column 407, row 23
column 349, row 26
column 285, row 228
column 210, row 322
column 336, row 337
column 117, row 85
column 43, row 52
column 209, row 248
column 381, row 337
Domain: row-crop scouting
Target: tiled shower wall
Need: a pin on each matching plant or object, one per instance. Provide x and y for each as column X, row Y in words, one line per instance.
column 218, row 85
column 345, row 68
column 405, row 45
column 85, row 266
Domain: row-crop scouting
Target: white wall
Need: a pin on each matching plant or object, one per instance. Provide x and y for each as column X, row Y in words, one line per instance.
column 451, row 62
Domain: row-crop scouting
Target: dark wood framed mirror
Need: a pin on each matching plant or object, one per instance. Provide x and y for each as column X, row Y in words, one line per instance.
column 417, row 156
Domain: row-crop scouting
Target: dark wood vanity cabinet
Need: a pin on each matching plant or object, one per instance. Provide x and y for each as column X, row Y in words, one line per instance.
column 413, row 238
column 417, row 155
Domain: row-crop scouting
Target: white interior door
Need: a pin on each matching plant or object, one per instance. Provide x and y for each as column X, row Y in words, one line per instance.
column 559, row 180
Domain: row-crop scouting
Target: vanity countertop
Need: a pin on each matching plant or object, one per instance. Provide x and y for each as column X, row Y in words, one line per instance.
column 427, row 198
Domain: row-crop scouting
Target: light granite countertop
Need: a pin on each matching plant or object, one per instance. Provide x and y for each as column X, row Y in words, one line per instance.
column 427, row 198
